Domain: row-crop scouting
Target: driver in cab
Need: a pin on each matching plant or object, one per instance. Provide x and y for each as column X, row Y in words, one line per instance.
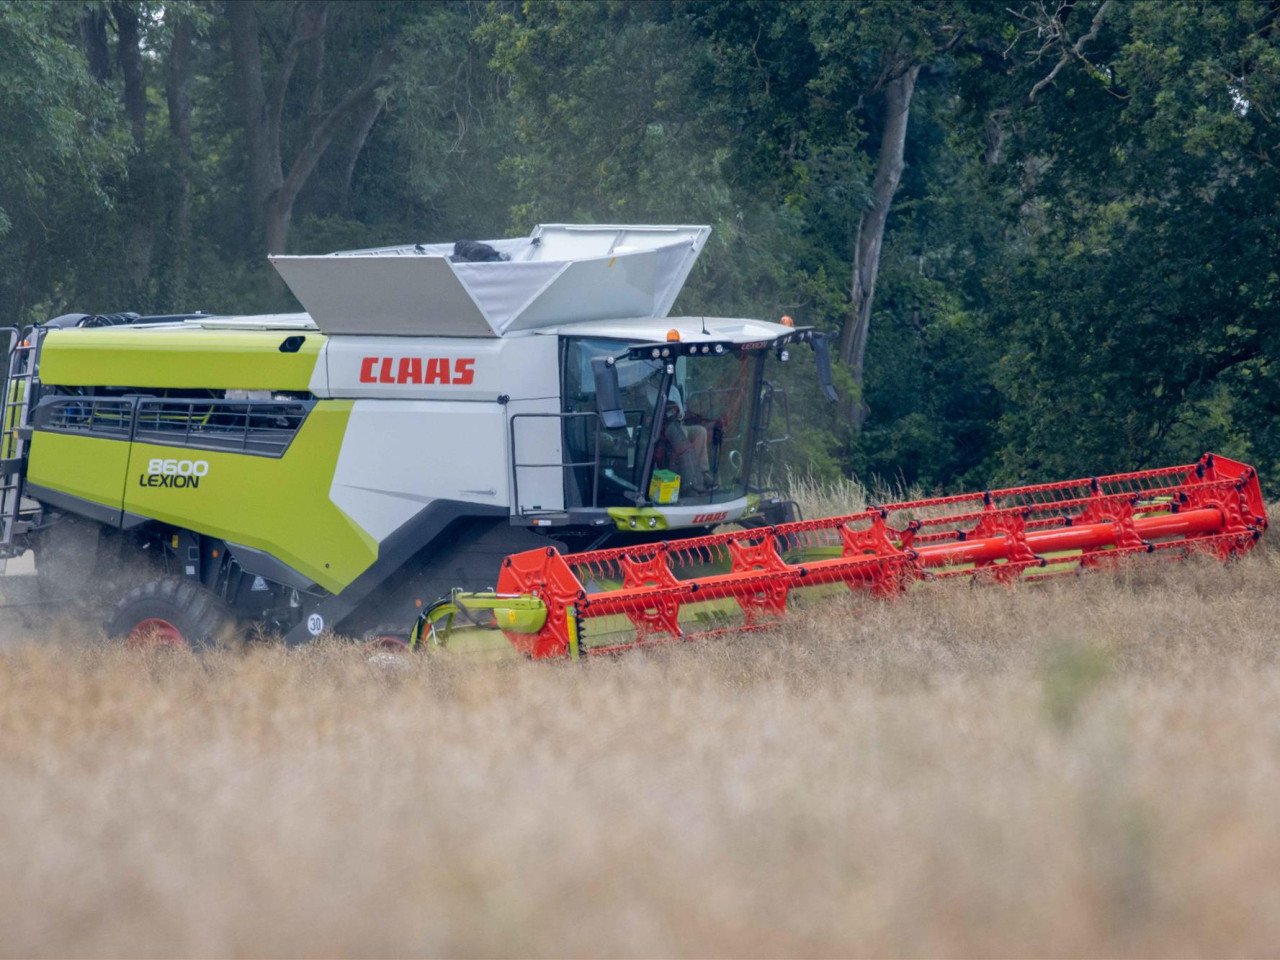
column 686, row 446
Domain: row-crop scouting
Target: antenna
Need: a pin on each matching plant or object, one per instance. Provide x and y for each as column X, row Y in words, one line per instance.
column 704, row 325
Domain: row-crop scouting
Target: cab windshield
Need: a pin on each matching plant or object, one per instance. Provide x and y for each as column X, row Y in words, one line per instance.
column 695, row 422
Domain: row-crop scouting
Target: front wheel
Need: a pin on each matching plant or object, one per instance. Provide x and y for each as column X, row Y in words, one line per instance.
column 171, row 613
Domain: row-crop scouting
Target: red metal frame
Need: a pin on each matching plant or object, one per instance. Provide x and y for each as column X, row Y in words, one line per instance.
column 1214, row 505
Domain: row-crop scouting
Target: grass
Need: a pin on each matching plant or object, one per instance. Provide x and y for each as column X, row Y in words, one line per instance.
column 1084, row 767
column 827, row 498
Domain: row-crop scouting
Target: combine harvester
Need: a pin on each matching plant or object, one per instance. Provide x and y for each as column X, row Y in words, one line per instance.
column 517, row 422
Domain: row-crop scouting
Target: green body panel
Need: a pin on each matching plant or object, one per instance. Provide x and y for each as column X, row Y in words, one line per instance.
column 178, row 358
column 438, row 629
column 630, row 519
column 87, row 467
column 643, row 518
column 280, row 506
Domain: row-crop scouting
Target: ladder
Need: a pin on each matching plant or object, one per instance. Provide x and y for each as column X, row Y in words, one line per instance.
column 23, row 348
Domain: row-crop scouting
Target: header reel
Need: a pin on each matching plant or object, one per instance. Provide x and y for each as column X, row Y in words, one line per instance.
column 606, row 601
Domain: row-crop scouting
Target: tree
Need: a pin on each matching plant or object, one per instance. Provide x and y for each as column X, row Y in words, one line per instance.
column 140, row 184
column 822, row 81
column 54, row 157
column 919, row 41
column 1135, row 298
column 177, row 88
column 264, row 96
column 1044, row 233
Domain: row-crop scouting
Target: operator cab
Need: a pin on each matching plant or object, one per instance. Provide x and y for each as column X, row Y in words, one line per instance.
column 681, row 421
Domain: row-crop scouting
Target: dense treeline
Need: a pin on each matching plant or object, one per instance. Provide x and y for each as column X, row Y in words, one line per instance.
column 1043, row 234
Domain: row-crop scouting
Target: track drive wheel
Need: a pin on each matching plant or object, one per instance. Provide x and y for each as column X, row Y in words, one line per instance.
column 171, row 613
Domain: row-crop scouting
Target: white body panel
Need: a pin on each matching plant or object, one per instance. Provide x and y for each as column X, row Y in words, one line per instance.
column 399, row 455
column 410, row 443
column 438, row 368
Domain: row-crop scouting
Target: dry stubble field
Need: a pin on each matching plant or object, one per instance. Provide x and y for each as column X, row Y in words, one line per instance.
column 1086, row 767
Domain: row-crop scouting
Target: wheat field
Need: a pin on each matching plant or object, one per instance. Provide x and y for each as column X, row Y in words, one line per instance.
column 1085, row 767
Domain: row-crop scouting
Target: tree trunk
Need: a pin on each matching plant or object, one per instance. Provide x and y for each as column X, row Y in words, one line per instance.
column 276, row 220
column 279, row 207
column 273, row 191
column 263, row 151
column 130, row 54
column 870, row 239
column 178, row 94
column 93, row 34
column 365, row 119
column 140, row 229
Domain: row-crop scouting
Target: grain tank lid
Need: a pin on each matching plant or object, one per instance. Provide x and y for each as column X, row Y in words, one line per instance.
column 561, row 273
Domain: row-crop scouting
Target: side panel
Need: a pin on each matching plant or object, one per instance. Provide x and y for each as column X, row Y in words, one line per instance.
column 400, row 455
column 281, row 506
column 179, row 358
column 91, row 468
column 442, row 368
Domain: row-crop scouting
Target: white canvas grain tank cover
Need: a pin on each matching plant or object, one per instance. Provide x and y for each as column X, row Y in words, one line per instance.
column 562, row 273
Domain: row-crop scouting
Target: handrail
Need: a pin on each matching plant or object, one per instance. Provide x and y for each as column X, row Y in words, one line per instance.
column 517, row 466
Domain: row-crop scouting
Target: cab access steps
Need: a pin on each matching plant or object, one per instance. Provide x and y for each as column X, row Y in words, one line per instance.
column 22, row 348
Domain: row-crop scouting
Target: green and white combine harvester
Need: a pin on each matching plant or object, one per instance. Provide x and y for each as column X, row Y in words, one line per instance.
column 517, row 427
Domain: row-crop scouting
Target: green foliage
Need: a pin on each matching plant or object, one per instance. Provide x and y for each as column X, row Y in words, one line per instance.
column 1136, row 303
column 1072, row 280
column 57, row 164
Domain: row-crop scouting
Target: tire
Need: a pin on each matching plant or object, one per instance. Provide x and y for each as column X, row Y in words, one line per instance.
column 173, row 613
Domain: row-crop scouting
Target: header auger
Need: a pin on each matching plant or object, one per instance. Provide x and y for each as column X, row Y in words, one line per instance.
column 607, row 601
